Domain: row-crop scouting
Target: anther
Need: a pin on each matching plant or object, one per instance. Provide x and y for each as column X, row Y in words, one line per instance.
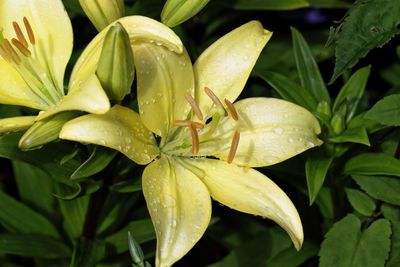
column 187, row 123
column 195, row 107
column 29, row 31
column 25, row 51
column 4, row 54
column 195, row 139
column 234, row 145
column 19, row 34
column 11, row 52
column 231, row 109
column 215, row 99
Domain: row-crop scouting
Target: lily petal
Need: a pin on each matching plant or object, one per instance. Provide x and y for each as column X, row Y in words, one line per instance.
column 90, row 98
column 163, row 79
column 271, row 131
column 225, row 66
column 120, row 129
column 16, row 124
column 14, row 90
column 140, row 29
column 46, row 17
column 180, row 208
column 247, row 190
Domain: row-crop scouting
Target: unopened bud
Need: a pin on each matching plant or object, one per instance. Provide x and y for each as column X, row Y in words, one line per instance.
column 337, row 123
column 103, row 12
column 45, row 131
column 115, row 69
column 324, row 108
column 177, row 11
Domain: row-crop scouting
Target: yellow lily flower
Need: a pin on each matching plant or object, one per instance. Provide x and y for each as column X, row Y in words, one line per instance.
column 207, row 148
column 35, row 45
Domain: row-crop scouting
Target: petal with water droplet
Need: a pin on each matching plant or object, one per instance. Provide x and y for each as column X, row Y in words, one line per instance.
column 225, row 66
column 247, row 190
column 180, row 208
column 90, row 97
column 163, row 78
column 271, row 131
column 120, row 129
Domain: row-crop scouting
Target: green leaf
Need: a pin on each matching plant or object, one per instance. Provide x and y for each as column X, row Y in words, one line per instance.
column 18, row 218
column 129, row 186
column 270, row 4
column 360, row 201
column 87, row 253
column 352, row 92
column 386, row 111
column 360, row 32
column 289, row 90
column 393, row 214
column 372, row 164
column 34, row 246
column 317, row 166
column 325, row 203
column 329, row 3
column 353, row 135
column 346, row 245
column 141, row 230
column 292, row 258
column 34, row 187
column 307, row 68
column 98, row 160
column 380, row 187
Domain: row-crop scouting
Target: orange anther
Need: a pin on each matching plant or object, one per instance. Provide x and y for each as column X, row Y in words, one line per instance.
column 234, row 145
column 215, row 99
column 231, row 109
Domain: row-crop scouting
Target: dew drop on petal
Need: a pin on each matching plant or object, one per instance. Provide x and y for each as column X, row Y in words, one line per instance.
column 278, row 131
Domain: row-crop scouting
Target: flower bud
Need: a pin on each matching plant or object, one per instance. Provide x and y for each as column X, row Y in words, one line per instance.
column 103, row 12
column 324, row 108
column 115, row 69
column 177, row 11
column 337, row 123
column 45, row 131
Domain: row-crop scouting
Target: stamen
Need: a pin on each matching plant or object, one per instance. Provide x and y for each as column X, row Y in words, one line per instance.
column 25, row 51
column 215, row 99
column 194, row 105
column 19, row 34
column 231, row 109
column 234, row 145
column 4, row 54
column 29, row 31
column 195, row 139
column 12, row 52
column 187, row 123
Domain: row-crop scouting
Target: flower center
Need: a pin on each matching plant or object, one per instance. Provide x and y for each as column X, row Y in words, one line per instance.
column 194, row 126
column 25, row 57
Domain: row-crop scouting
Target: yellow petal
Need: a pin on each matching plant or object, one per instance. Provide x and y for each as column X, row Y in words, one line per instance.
column 271, row 131
column 163, row 78
column 140, row 29
column 180, row 208
column 247, row 190
column 226, row 65
column 14, row 90
column 16, row 124
column 52, row 29
column 120, row 129
column 90, row 98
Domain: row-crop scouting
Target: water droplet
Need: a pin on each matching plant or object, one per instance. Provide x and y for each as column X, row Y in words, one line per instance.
column 168, row 201
column 291, row 140
column 278, row 131
column 173, row 223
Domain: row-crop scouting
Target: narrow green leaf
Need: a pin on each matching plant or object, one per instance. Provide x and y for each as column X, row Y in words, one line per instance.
column 289, row 90
column 360, row 201
column 386, row 111
column 98, row 160
column 129, row 186
column 357, row 135
column 141, row 230
column 360, row 33
column 307, row 68
column 380, row 187
column 372, row 164
column 330, row 3
column 352, row 92
column 18, row 218
column 34, row 246
column 34, row 187
column 325, row 203
column 317, row 166
column 346, row 245
column 270, row 4
column 87, row 253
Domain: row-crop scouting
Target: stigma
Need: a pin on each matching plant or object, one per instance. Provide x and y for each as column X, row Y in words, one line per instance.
column 22, row 53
